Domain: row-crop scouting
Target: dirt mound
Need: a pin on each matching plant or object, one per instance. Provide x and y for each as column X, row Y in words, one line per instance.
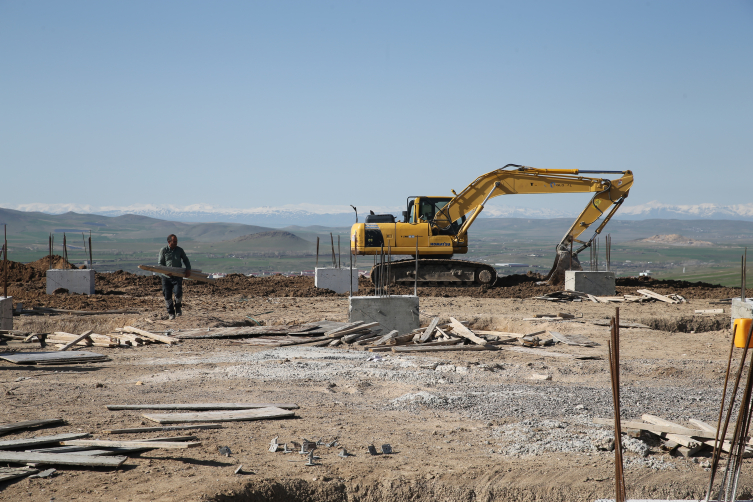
column 20, row 272
column 57, row 262
column 675, row 240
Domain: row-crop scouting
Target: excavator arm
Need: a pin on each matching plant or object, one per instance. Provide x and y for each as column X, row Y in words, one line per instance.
column 528, row 180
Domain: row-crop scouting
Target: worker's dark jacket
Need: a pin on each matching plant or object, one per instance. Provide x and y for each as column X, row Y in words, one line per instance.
column 172, row 257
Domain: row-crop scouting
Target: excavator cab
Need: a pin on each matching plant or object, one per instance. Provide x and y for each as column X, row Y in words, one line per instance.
column 429, row 210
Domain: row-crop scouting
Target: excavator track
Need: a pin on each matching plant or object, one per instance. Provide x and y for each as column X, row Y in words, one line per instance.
column 436, row 272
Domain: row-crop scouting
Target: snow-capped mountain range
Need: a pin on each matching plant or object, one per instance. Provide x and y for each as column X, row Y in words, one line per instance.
column 313, row 214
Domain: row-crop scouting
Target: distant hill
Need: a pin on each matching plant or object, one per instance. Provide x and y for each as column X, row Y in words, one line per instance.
column 276, row 239
column 35, row 227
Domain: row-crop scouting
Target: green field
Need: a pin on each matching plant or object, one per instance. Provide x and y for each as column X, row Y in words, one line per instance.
column 125, row 242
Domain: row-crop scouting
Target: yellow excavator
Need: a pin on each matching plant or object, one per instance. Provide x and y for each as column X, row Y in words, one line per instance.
column 436, row 228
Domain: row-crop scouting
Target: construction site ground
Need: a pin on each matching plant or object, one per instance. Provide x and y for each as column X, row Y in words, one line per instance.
column 463, row 426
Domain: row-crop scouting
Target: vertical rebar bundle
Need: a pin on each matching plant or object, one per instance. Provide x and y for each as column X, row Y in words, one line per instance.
column 49, row 257
column 728, row 487
column 415, row 279
column 317, row 252
column 5, row 261
column 91, row 261
column 614, row 368
column 65, row 251
column 339, row 256
column 608, row 242
column 332, row 242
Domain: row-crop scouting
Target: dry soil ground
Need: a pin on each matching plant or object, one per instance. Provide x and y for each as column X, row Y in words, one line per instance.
column 463, row 426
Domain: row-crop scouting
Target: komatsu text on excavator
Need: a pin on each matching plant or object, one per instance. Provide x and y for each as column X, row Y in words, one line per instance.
column 436, row 228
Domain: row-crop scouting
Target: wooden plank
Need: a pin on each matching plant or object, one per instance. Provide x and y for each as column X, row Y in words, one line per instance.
column 355, row 329
column 22, row 457
column 202, row 406
column 461, row 330
column 8, row 473
column 344, row 327
column 550, row 353
column 659, row 297
column 386, row 338
column 605, row 322
column 132, row 444
column 76, row 340
column 592, row 298
column 220, row 416
column 153, row 336
column 710, row 311
column 177, row 272
column 429, row 330
column 28, row 424
column 40, row 440
column 141, row 430
column 725, row 445
column 447, row 348
column 659, row 429
column 691, row 444
column 572, row 339
column 55, row 357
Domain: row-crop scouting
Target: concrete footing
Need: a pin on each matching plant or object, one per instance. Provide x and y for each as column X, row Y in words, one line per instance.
column 592, row 283
column 75, row 281
column 336, row 279
column 742, row 309
column 391, row 312
column 6, row 312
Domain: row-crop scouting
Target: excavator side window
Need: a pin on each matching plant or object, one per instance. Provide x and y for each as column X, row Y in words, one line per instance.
column 426, row 212
column 411, row 212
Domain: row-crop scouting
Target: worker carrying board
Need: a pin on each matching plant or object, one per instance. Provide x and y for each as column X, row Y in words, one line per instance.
column 171, row 256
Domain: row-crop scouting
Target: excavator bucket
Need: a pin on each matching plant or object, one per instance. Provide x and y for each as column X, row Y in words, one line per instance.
column 565, row 260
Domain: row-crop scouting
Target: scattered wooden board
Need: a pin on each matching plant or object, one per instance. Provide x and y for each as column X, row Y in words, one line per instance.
column 237, row 332
column 573, row 339
column 429, row 330
column 141, row 430
column 6, row 428
column 691, row 444
column 658, row 429
column 8, row 473
column 461, row 330
column 75, row 340
column 55, row 357
column 710, row 311
column 446, row 348
column 131, row 444
column 150, row 335
column 726, row 446
column 202, row 406
column 345, row 327
column 659, row 297
column 41, row 440
column 220, row 416
column 605, row 322
column 22, row 457
column 550, row 353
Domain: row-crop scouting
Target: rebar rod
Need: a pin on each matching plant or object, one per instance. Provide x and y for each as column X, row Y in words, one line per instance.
column 5, row 261
column 717, row 451
column 415, row 278
column 332, row 242
column 614, row 366
column 317, row 254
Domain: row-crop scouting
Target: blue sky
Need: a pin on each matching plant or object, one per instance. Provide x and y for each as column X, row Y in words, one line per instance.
column 246, row 104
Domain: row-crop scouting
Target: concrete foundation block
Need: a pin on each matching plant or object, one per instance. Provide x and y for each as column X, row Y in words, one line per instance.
column 391, row 312
column 592, row 283
column 75, row 281
column 336, row 279
column 741, row 309
column 6, row 312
